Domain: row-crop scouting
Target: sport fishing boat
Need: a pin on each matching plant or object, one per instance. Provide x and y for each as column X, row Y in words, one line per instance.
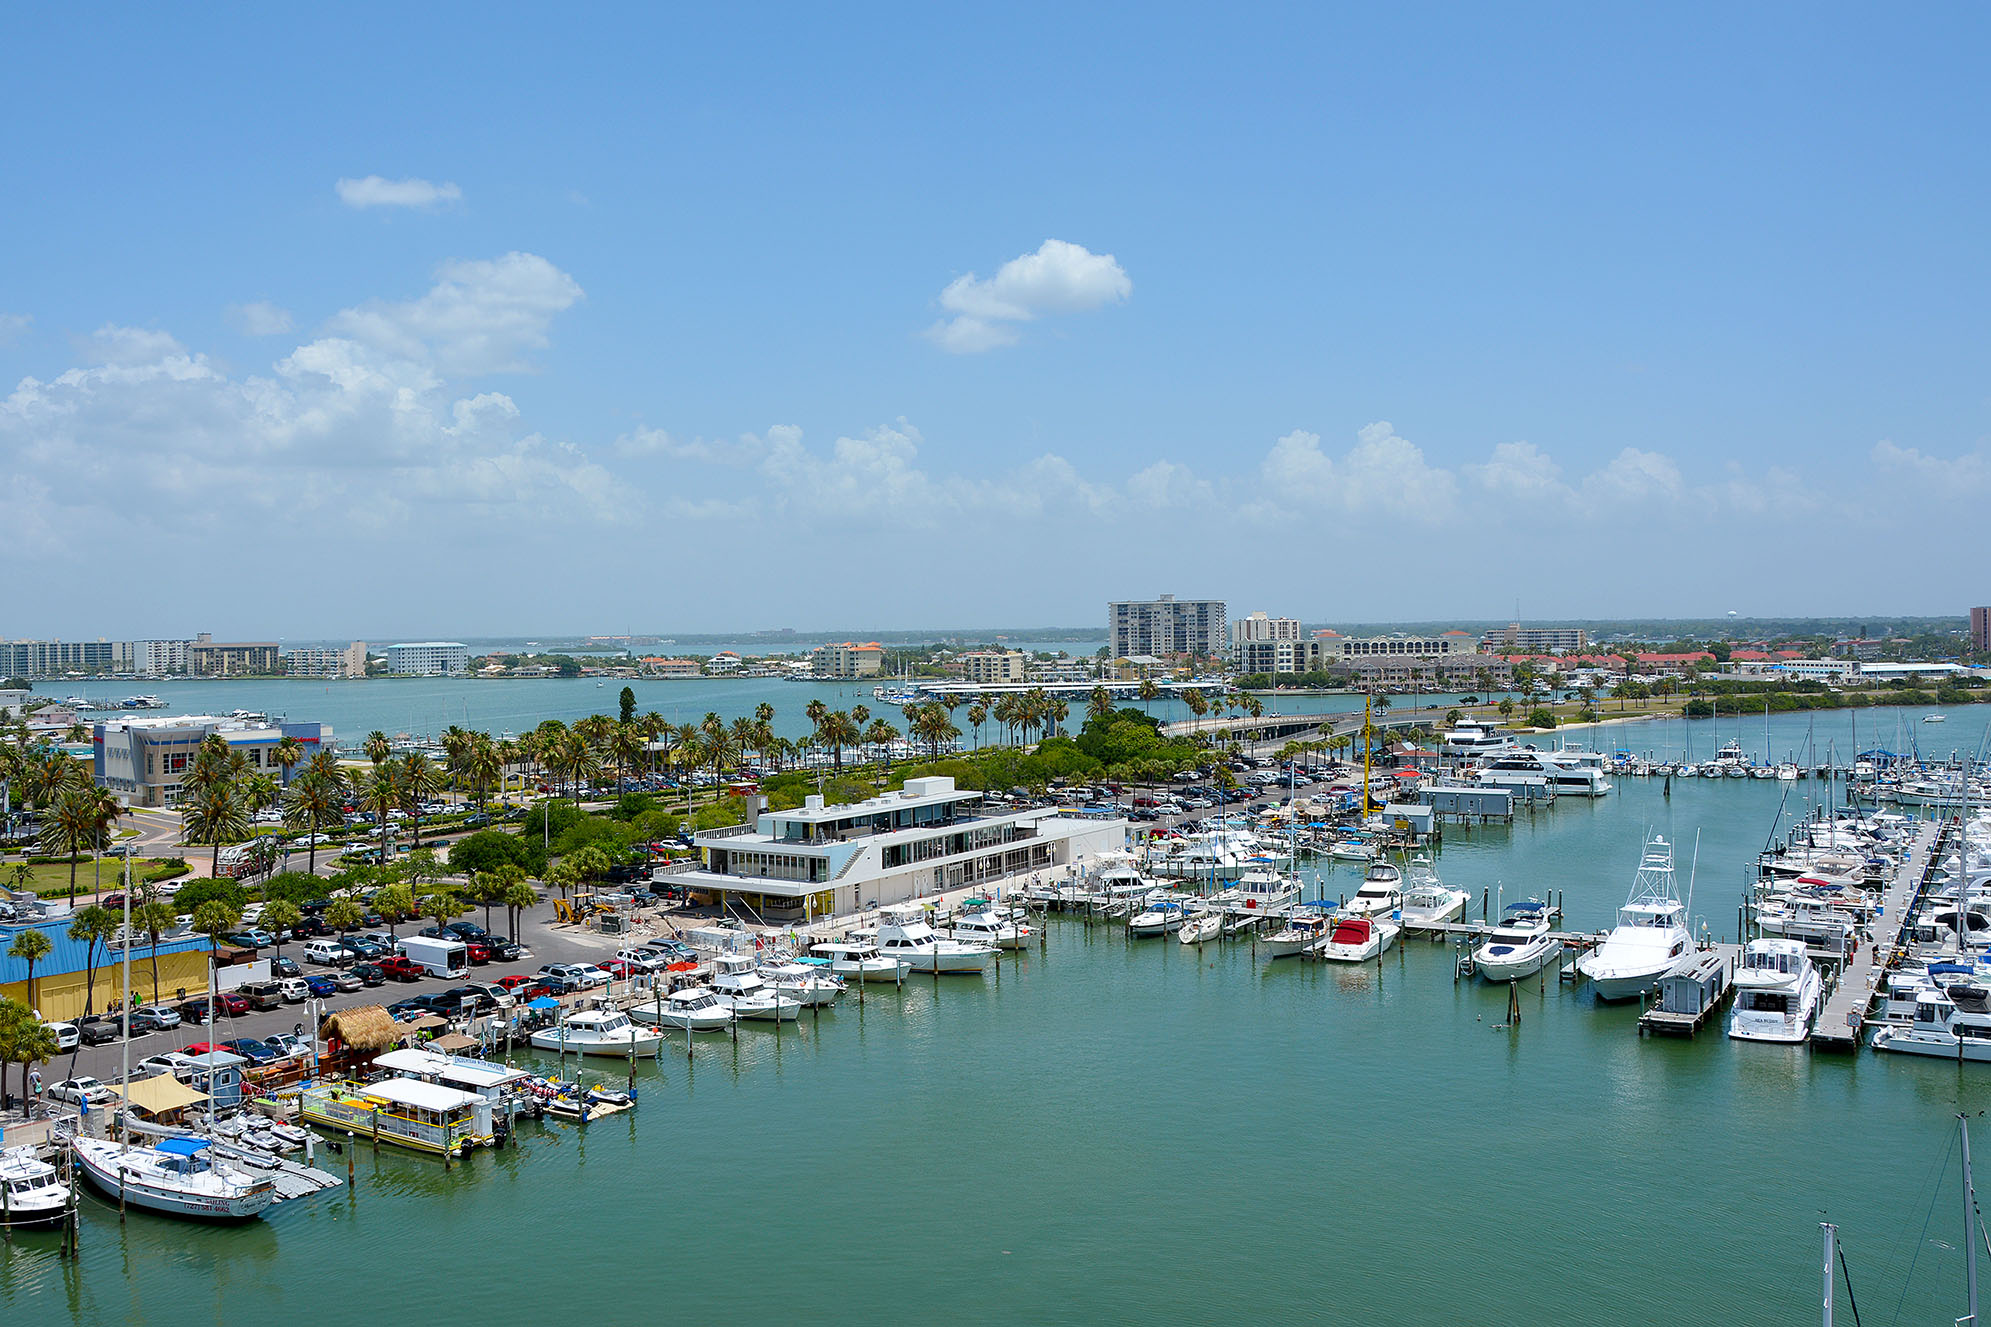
column 1381, row 893
column 1777, row 992
column 598, row 1032
column 982, row 922
column 1651, row 939
column 1357, row 939
column 903, row 933
column 737, row 981
column 694, row 1008
column 807, row 983
column 1427, row 901
column 35, row 1195
column 1261, row 887
column 1520, row 946
column 174, row 1177
column 859, row 960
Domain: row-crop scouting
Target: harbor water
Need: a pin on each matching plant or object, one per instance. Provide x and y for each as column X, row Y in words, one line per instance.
column 1109, row 1130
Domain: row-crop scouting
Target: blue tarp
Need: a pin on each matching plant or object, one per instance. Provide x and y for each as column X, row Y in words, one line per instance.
column 181, row 1147
column 543, row 1002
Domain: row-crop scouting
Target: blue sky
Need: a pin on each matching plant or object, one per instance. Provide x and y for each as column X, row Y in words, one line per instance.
column 439, row 322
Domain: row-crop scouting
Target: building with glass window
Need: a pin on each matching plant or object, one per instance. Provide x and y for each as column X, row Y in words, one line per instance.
column 144, row 760
column 429, row 658
column 818, row 861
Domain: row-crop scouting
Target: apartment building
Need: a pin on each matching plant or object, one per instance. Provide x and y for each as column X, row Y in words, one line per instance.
column 992, row 667
column 847, row 659
column 429, row 658
column 348, row 662
column 1167, row 626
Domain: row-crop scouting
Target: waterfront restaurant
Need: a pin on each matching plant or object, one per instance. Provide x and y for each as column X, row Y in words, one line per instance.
column 817, row 860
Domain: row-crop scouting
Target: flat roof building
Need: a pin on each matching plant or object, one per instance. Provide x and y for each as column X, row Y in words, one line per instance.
column 349, row 662
column 208, row 657
column 1260, row 627
column 819, row 860
column 429, row 658
column 848, row 659
column 1167, row 626
column 144, row 760
column 992, row 667
column 1980, row 629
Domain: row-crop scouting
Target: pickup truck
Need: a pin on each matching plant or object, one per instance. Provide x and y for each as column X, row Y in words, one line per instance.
column 401, row 968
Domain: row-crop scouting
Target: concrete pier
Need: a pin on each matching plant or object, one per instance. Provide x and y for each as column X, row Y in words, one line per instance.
column 1844, row 1016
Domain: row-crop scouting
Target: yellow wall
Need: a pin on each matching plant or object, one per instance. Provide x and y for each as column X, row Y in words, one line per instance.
column 60, row 996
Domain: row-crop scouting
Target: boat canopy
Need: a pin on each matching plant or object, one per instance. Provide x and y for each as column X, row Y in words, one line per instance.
column 420, row 1095
column 1350, row 931
column 181, row 1147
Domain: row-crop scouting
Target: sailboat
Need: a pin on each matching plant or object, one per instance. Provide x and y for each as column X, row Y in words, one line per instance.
column 177, row 1176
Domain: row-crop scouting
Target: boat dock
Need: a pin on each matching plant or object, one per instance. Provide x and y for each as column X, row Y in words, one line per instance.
column 1844, row 1016
column 1690, row 997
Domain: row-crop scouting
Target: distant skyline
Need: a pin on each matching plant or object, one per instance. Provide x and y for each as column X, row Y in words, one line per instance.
column 807, row 317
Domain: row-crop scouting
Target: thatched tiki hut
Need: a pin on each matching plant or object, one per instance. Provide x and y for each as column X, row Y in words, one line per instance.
column 358, row 1034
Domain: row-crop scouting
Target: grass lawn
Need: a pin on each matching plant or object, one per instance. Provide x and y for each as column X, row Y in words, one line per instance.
column 48, row 881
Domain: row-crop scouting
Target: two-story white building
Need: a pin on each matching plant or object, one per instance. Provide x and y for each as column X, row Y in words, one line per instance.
column 817, row 860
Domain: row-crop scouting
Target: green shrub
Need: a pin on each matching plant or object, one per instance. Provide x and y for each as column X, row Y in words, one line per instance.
column 1540, row 717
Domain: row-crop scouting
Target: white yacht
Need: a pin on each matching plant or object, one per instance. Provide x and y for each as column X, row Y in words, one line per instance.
column 1261, row 887
column 1351, row 850
column 903, row 933
column 982, row 922
column 1777, row 992
column 736, row 980
column 598, row 1032
column 1116, row 879
column 806, row 983
column 1951, row 1023
column 1475, row 738
column 1427, row 901
column 1651, row 938
column 36, row 1195
column 1520, row 946
column 1569, row 773
column 1357, row 939
column 1157, row 916
column 1306, row 926
column 1381, row 893
column 859, row 960
column 694, row 1008
column 176, row 1177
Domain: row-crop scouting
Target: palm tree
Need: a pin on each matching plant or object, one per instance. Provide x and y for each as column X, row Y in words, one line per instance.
column 288, row 755
column 30, row 946
column 215, row 919
column 316, row 799
column 978, row 714
column 417, row 781
column 839, row 731
column 277, row 917
column 1148, row 690
column 154, row 919
column 483, row 767
column 396, row 903
column 24, row 1040
column 74, row 820
column 625, row 747
column 882, row 734
column 380, row 795
column 443, row 905
column 343, row 916
column 518, row 897
column 377, row 747
column 214, row 815
column 1099, row 704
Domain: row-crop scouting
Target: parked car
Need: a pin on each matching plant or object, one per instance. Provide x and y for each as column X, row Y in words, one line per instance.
column 263, row 994
column 321, row 985
column 465, row 930
column 365, row 949
column 77, row 1091
column 566, row 977
column 67, row 1038
column 499, row 997
column 288, row 1045
column 296, row 990
column 250, row 938
column 345, row 981
column 503, row 948
column 477, row 952
column 172, row 1062
column 328, row 952
column 467, row 999
column 309, row 929
column 167, row 1016
column 643, row 960
column 285, row 967
column 512, row 981
column 407, row 1011
column 98, row 1029
column 402, row 968
column 250, row 1049
column 369, row 974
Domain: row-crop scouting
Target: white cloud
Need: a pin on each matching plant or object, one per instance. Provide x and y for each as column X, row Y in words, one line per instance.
column 1633, row 481
column 260, row 318
column 111, row 344
column 1520, row 471
column 742, row 451
column 1060, row 277
column 377, row 191
column 1939, row 476
column 13, row 326
column 479, row 317
column 1381, row 473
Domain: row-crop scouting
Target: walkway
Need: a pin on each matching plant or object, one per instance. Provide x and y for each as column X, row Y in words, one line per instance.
column 1844, row 1015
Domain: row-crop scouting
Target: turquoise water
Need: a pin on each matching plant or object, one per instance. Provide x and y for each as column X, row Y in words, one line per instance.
column 1116, row 1132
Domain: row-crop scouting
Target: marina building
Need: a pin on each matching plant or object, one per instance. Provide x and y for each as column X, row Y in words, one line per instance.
column 847, row 659
column 1456, row 671
column 349, row 662
column 1334, row 649
column 1167, row 626
column 144, row 760
column 1258, row 628
column 992, row 667
column 818, row 860
column 1980, row 629
column 431, row 658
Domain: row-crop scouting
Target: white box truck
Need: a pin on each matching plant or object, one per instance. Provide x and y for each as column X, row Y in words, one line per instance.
column 440, row 958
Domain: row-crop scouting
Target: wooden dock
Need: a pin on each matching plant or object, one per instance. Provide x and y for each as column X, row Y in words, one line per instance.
column 1844, row 1016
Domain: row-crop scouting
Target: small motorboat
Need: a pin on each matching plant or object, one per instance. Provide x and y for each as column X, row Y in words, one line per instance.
column 36, row 1195
column 694, row 1007
column 1203, row 926
column 1520, row 946
column 1357, row 939
column 598, row 1032
column 1304, row 928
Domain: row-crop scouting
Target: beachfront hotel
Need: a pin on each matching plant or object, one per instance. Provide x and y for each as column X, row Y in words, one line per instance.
column 429, row 658
column 817, row 860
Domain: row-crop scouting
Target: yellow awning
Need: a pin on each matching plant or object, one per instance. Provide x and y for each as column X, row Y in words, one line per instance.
column 160, row 1093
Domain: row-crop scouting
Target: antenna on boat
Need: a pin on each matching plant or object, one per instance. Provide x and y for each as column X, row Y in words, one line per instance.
column 1692, row 868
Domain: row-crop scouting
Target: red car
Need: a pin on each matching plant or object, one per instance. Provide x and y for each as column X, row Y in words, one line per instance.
column 617, row 967
column 401, row 968
column 516, row 980
column 525, row 986
column 204, row 1047
column 478, row 954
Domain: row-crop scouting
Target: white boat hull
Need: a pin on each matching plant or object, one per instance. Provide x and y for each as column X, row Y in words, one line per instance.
column 1283, row 945
column 99, row 1162
column 698, row 1020
column 1198, row 929
column 1625, row 985
column 637, row 1042
column 957, row 962
column 1524, row 961
column 1937, row 1045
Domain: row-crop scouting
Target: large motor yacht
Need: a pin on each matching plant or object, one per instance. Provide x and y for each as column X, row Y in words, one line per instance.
column 1777, row 992
column 1651, row 939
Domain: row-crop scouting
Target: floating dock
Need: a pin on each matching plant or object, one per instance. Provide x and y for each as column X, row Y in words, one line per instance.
column 1844, row 1016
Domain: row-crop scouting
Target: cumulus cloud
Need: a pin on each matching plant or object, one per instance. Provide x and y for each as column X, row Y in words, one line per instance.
column 1060, row 277
column 260, row 318
column 741, row 451
column 1382, row 472
column 377, row 191
column 1945, row 476
column 479, row 317
column 14, row 326
column 112, row 344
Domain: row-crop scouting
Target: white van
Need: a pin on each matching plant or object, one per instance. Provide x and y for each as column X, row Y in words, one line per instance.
column 327, row 951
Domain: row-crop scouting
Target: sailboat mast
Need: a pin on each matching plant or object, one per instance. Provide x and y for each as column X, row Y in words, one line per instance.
column 1969, row 1222
column 1831, row 1234
column 124, row 1010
